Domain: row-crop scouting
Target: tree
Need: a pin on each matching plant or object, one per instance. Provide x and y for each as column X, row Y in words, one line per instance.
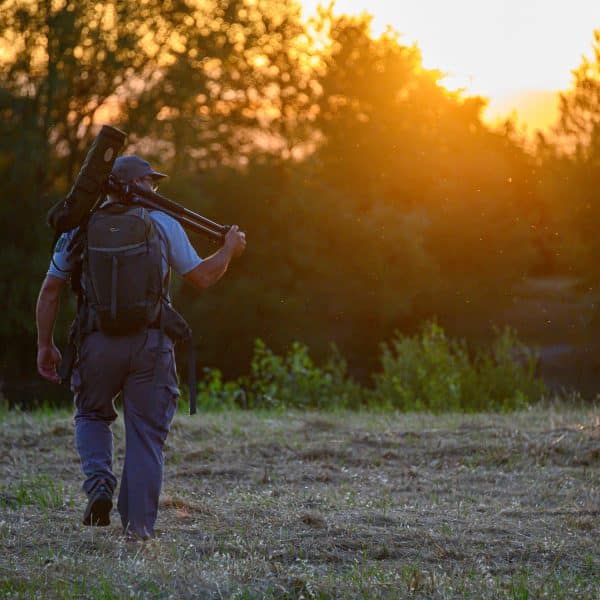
column 570, row 179
column 579, row 125
column 203, row 80
column 415, row 162
column 408, row 207
column 62, row 62
column 236, row 77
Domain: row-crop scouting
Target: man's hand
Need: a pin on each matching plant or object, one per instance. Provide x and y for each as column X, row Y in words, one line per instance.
column 48, row 356
column 235, row 241
column 48, row 360
column 211, row 269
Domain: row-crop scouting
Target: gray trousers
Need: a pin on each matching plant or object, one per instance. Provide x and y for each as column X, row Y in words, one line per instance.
column 146, row 376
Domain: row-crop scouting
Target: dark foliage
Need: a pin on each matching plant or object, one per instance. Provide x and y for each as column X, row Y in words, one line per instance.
column 372, row 197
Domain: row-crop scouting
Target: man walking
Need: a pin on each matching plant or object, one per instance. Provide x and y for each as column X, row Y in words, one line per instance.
column 140, row 363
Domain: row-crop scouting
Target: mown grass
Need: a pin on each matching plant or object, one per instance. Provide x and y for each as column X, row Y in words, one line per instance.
column 292, row 504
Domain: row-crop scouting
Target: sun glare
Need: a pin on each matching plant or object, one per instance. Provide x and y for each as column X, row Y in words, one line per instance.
column 514, row 52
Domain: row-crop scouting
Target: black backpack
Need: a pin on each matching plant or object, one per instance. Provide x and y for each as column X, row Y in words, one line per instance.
column 122, row 281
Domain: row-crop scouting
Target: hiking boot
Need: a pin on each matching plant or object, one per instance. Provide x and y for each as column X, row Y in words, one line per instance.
column 97, row 511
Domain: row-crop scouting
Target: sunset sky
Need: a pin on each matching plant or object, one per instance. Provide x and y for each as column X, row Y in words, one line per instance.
column 518, row 53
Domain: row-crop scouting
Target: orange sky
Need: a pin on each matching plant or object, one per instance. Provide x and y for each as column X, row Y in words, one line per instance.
column 518, row 53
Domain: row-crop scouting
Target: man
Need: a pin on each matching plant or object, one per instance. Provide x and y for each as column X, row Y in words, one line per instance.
column 140, row 365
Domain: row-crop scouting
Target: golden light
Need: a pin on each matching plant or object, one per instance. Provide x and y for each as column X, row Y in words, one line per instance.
column 517, row 53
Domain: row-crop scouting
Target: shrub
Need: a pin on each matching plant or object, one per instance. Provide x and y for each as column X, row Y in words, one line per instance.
column 505, row 376
column 214, row 394
column 293, row 380
column 429, row 371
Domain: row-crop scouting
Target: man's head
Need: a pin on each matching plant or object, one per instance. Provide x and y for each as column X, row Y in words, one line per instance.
column 133, row 169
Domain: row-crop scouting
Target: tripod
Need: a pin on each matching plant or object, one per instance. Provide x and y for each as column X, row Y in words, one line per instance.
column 136, row 194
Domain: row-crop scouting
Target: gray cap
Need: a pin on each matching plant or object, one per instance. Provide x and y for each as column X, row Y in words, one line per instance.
column 128, row 168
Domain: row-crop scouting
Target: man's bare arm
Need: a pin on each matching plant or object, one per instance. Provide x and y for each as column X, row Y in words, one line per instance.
column 46, row 311
column 211, row 269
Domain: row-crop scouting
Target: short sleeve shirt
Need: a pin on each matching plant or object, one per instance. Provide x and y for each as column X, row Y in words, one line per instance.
column 177, row 251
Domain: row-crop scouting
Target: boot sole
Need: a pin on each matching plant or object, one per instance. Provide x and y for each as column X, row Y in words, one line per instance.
column 98, row 513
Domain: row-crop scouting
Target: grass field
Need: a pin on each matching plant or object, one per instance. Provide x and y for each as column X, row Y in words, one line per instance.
column 318, row 505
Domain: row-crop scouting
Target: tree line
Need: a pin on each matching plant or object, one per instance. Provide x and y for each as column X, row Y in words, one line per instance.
column 373, row 198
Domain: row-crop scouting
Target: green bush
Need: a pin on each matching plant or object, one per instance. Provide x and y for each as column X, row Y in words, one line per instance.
column 294, row 381
column 422, row 372
column 429, row 371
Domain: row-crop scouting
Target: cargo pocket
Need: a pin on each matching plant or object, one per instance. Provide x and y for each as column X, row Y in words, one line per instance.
column 160, row 408
column 154, row 387
column 163, row 358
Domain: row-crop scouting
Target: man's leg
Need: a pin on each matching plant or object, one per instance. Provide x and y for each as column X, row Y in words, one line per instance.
column 149, row 401
column 97, row 378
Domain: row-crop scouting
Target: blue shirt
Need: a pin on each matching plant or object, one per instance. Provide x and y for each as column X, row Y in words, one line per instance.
column 177, row 251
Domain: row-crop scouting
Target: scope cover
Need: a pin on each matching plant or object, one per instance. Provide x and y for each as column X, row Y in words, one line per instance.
column 85, row 193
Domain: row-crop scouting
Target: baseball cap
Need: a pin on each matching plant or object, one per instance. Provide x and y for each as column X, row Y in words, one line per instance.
column 128, row 168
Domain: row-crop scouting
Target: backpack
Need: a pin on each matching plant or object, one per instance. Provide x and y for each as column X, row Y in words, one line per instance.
column 122, row 281
column 120, row 285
